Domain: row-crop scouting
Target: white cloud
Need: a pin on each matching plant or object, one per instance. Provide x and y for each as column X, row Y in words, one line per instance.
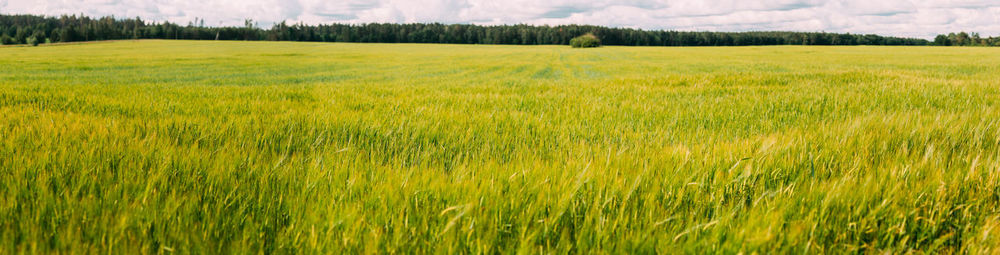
column 913, row 18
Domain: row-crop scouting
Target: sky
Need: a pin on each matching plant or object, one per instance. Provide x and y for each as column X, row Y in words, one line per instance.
column 907, row 18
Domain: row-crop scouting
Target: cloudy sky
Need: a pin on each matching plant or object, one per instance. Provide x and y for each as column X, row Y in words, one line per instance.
column 911, row 18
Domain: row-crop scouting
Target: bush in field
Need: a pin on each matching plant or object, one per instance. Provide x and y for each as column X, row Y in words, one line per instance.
column 6, row 39
column 33, row 41
column 585, row 41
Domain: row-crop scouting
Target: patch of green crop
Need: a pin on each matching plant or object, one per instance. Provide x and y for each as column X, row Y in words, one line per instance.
column 195, row 147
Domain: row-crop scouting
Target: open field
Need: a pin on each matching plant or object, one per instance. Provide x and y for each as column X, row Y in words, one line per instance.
column 268, row 147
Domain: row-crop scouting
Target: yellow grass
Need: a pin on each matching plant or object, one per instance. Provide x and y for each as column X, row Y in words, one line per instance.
column 194, row 147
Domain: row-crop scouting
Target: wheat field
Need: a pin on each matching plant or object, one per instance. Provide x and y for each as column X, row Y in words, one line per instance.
column 205, row 147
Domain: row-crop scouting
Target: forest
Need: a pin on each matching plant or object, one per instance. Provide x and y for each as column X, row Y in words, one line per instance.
column 34, row 30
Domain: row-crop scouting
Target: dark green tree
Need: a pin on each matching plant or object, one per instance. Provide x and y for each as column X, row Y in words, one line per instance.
column 6, row 39
column 942, row 40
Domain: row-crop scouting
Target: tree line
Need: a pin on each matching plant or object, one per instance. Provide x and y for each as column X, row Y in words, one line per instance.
column 966, row 39
column 34, row 29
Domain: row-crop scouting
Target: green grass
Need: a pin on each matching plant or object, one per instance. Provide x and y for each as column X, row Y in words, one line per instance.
column 194, row 147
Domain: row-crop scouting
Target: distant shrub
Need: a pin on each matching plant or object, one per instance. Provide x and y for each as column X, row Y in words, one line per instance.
column 585, row 41
column 33, row 41
column 6, row 39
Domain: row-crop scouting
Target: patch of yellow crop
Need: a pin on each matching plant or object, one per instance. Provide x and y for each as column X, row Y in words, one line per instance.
column 284, row 147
